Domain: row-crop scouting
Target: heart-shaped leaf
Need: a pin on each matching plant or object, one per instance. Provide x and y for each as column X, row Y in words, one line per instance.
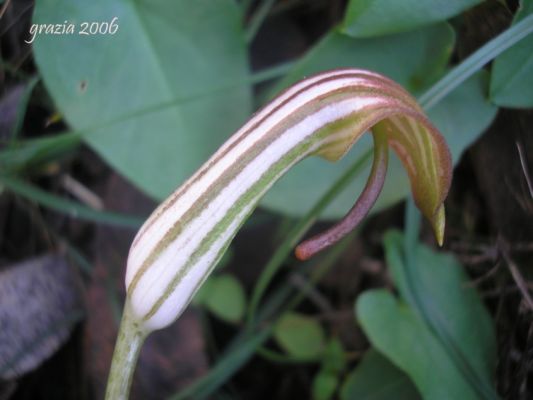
column 223, row 295
column 376, row 378
column 439, row 334
column 300, row 336
column 127, row 83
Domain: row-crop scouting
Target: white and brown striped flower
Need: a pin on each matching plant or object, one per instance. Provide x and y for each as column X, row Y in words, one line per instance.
column 323, row 115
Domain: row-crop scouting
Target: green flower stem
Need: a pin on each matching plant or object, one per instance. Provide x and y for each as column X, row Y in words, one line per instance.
column 129, row 342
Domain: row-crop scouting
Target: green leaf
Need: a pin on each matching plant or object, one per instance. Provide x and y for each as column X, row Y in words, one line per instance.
column 461, row 116
column 366, row 18
column 334, row 357
column 436, row 286
column 162, row 50
column 376, row 378
column 326, row 381
column 396, row 330
column 439, row 334
column 512, row 71
column 300, row 336
column 429, row 50
column 324, row 385
column 32, row 152
column 223, row 295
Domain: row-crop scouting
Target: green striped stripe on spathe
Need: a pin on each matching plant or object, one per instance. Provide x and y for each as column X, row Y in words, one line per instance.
column 233, row 173
column 370, row 82
column 212, row 236
column 248, row 200
column 252, row 195
column 246, row 157
column 393, row 90
column 163, row 266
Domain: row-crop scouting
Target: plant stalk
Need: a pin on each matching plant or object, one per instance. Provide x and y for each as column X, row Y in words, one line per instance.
column 127, row 349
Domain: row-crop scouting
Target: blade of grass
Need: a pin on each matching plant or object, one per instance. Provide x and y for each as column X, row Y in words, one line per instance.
column 273, row 72
column 68, row 207
column 225, row 367
column 78, row 258
column 476, row 61
column 257, row 19
column 35, row 151
column 279, row 358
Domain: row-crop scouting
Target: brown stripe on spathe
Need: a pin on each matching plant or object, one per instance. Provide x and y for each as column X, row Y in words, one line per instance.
column 173, row 232
column 367, row 124
column 229, row 174
column 327, row 78
column 175, row 196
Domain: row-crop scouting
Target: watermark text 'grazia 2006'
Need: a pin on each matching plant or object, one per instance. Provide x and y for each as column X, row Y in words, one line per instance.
column 68, row 28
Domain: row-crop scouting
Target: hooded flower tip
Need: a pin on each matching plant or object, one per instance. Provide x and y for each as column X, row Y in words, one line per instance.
column 322, row 115
column 438, row 222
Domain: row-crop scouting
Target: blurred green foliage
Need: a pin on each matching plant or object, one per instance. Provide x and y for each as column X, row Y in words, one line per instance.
column 438, row 332
column 370, row 18
column 223, row 295
column 377, row 378
column 160, row 53
column 512, row 73
column 159, row 96
column 300, row 336
column 183, row 69
column 326, row 381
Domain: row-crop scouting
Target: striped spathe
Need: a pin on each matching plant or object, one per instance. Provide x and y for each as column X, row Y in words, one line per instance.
column 324, row 115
